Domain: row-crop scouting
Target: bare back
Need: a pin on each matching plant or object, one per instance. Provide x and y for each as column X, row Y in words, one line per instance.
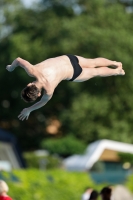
column 52, row 71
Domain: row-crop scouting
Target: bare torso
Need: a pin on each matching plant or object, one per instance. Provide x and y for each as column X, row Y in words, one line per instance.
column 52, row 71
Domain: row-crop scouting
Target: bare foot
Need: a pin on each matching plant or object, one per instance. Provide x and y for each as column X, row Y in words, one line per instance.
column 118, row 64
column 115, row 65
column 120, row 71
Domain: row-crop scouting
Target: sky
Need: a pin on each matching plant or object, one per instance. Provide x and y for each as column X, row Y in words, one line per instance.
column 28, row 3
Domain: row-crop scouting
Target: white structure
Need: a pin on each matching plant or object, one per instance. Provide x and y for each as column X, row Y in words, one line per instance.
column 10, row 155
column 5, row 166
column 93, row 153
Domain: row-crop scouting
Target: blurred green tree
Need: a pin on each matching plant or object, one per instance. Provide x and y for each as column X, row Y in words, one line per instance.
column 96, row 109
column 64, row 146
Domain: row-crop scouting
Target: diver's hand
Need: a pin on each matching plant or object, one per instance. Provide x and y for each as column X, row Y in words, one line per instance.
column 24, row 114
column 9, row 68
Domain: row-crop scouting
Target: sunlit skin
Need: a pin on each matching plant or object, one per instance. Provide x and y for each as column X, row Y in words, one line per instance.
column 87, row 193
column 51, row 72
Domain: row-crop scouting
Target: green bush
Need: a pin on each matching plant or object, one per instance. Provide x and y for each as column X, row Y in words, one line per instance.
column 55, row 184
column 126, row 157
column 50, row 184
column 41, row 162
column 65, row 146
column 129, row 183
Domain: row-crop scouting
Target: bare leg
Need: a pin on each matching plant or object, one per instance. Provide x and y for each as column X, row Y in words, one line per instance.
column 103, row 62
column 89, row 73
column 97, row 62
column 105, row 71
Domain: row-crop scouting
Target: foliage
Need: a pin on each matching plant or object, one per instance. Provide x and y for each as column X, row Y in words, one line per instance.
column 126, row 157
column 129, row 183
column 65, row 146
column 96, row 109
column 51, row 184
column 55, row 184
column 98, row 167
column 41, row 162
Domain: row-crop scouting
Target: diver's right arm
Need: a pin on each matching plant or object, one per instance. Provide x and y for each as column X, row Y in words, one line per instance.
column 22, row 63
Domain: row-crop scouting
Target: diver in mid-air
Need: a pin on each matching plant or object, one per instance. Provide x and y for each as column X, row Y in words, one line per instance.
column 51, row 72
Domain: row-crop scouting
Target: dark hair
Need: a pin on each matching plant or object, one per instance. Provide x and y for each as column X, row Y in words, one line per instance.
column 106, row 193
column 94, row 195
column 30, row 93
column 106, row 190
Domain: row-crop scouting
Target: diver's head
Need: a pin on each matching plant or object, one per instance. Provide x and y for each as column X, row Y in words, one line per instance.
column 30, row 93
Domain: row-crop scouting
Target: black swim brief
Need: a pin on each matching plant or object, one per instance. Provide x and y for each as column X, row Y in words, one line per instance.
column 77, row 68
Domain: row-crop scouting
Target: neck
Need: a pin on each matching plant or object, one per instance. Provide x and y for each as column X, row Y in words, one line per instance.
column 38, row 84
column 3, row 194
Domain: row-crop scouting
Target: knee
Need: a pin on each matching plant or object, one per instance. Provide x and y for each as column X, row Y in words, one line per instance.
column 96, row 72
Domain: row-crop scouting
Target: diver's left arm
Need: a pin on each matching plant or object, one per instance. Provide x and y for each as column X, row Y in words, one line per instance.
column 26, row 111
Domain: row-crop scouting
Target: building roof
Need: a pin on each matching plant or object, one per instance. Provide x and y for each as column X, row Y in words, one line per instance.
column 93, row 154
column 9, row 149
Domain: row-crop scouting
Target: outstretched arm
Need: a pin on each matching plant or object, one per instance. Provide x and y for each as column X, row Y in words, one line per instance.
column 26, row 112
column 22, row 63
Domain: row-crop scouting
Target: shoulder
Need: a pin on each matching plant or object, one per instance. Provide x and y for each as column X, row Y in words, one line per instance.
column 48, row 93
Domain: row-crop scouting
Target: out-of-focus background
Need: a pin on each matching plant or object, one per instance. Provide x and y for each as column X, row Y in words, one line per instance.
column 83, row 136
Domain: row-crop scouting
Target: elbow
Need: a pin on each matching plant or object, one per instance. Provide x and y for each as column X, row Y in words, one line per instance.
column 18, row 60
